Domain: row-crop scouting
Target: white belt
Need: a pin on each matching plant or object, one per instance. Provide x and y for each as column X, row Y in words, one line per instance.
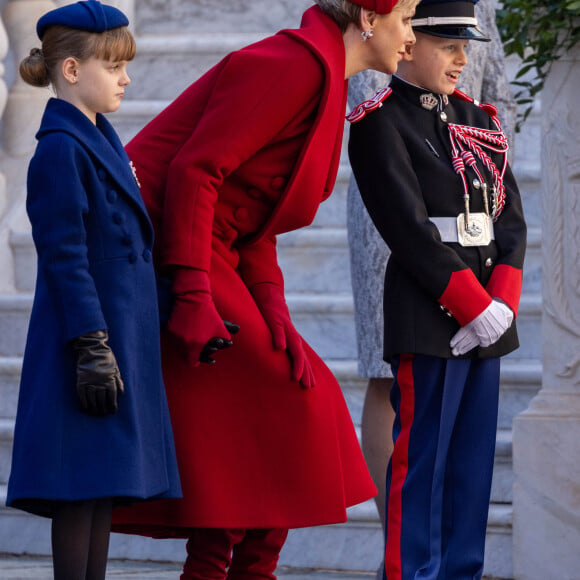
column 451, row 229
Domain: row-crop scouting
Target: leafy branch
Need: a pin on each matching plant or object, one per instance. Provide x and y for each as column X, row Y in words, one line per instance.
column 539, row 32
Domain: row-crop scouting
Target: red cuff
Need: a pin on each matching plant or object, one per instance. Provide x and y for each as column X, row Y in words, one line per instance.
column 506, row 283
column 190, row 280
column 465, row 298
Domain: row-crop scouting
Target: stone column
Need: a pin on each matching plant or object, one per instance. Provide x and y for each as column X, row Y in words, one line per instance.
column 546, row 438
column 20, row 122
column 3, row 98
column 25, row 103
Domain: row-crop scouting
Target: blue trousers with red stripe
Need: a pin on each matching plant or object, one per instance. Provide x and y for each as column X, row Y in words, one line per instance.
column 439, row 476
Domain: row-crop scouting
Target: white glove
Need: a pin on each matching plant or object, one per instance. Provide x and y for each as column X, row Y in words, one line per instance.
column 484, row 330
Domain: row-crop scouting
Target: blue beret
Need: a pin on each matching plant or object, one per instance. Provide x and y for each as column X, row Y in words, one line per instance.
column 448, row 19
column 89, row 15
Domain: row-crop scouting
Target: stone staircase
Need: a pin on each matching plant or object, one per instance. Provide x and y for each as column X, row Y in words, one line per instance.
column 177, row 41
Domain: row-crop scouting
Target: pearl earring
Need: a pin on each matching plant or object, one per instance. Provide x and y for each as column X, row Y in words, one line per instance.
column 366, row 34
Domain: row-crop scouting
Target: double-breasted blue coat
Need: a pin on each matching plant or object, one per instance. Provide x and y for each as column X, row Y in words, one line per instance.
column 93, row 239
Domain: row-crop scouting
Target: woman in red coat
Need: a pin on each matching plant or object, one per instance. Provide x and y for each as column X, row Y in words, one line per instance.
column 264, row 439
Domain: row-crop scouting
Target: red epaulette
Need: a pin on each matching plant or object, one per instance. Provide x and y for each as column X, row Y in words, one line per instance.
column 490, row 109
column 360, row 111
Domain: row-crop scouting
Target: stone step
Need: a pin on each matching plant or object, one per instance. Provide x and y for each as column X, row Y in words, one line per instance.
column 503, row 476
column 356, row 545
column 10, row 368
column 520, row 382
column 6, row 439
column 25, row 265
column 532, row 276
column 173, row 17
column 14, row 315
column 178, row 60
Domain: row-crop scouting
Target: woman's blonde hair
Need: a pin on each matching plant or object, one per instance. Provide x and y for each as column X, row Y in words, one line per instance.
column 406, row 4
column 40, row 67
column 344, row 12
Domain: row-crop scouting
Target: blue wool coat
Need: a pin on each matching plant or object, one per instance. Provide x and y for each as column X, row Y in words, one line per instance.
column 95, row 271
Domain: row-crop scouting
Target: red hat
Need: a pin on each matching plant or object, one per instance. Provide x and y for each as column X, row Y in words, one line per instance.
column 378, row 6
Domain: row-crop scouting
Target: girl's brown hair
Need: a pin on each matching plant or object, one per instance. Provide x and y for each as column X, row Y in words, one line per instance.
column 40, row 67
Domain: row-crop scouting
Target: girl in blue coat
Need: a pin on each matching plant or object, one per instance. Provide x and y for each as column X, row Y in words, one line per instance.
column 92, row 426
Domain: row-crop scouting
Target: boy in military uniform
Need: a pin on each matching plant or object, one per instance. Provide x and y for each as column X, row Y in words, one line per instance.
column 431, row 166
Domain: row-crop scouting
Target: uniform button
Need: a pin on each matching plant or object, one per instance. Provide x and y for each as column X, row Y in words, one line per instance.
column 254, row 193
column 489, row 263
column 278, row 183
column 118, row 218
column 126, row 240
column 241, row 214
column 443, row 116
column 133, row 257
column 112, row 196
column 446, row 311
column 102, row 174
column 147, row 255
column 476, row 183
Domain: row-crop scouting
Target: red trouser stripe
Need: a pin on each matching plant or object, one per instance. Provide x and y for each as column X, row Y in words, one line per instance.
column 399, row 468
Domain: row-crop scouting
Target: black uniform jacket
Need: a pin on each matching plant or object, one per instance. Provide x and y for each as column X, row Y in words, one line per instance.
column 401, row 156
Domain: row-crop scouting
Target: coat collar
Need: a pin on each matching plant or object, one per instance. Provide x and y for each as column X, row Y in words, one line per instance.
column 419, row 96
column 100, row 140
column 317, row 167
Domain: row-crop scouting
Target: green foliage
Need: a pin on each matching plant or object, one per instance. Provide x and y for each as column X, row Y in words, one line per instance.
column 539, row 32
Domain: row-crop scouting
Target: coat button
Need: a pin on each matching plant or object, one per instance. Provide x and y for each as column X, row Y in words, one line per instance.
column 118, row 218
column 254, row 193
column 278, row 183
column 147, row 255
column 133, row 257
column 476, row 183
column 443, row 116
column 111, row 196
column 126, row 240
column 102, row 174
column 489, row 263
column 229, row 235
column 241, row 214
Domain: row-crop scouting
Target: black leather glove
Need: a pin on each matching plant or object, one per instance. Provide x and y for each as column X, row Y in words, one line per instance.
column 218, row 343
column 98, row 377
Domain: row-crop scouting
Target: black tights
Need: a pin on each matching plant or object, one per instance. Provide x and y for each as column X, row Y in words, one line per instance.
column 80, row 539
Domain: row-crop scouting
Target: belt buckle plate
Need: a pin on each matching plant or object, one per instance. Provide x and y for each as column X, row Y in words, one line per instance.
column 478, row 232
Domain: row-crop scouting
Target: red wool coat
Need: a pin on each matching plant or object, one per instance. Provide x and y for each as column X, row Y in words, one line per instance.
column 247, row 152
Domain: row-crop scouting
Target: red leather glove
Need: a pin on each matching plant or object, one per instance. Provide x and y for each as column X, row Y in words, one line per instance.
column 194, row 321
column 270, row 300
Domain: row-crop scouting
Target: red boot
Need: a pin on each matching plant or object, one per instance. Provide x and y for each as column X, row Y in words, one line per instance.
column 209, row 553
column 256, row 556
